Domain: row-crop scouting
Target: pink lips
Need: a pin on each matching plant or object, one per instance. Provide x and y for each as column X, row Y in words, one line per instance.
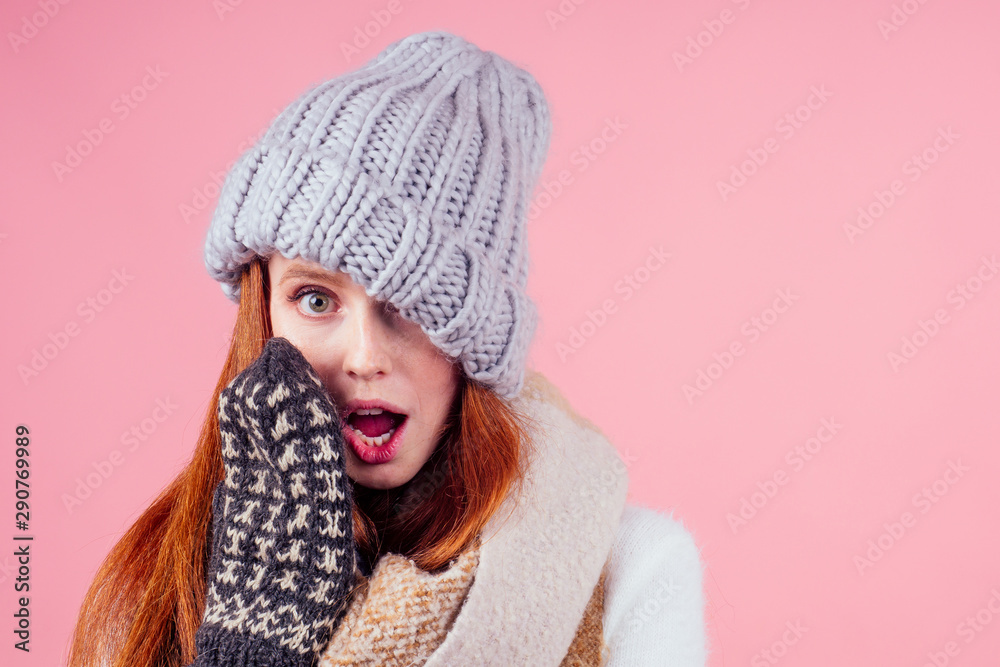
column 367, row 453
column 375, row 455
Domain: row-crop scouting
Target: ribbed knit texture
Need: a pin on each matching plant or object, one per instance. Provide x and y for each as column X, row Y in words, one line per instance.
column 412, row 175
column 402, row 614
column 588, row 648
column 282, row 562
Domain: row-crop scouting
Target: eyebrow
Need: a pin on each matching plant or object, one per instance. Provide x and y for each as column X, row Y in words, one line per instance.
column 311, row 274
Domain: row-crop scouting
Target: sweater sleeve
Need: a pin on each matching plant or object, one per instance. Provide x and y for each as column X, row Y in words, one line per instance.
column 654, row 604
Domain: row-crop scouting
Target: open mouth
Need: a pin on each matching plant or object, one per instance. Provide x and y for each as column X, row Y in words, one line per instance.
column 374, row 426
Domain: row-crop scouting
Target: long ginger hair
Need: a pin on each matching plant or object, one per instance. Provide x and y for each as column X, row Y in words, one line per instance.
column 147, row 598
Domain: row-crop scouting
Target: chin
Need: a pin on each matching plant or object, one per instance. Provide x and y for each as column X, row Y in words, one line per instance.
column 377, row 477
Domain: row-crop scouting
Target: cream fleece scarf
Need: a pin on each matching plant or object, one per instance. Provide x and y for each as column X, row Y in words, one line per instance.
column 535, row 570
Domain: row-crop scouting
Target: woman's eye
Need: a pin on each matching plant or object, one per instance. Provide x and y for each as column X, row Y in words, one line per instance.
column 313, row 302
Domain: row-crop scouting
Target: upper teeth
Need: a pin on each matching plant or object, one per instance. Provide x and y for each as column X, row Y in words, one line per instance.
column 372, row 411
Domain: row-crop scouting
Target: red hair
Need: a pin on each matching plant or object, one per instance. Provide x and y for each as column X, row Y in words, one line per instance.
column 147, row 598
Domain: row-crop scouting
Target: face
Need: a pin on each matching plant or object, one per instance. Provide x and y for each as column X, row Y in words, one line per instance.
column 394, row 388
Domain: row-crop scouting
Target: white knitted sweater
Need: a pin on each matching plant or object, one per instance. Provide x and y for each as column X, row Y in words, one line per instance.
column 654, row 605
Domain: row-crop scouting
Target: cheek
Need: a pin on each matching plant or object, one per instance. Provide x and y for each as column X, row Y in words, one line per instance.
column 285, row 325
column 280, row 328
column 424, row 359
column 435, row 371
column 440, row 380
column 318, row 356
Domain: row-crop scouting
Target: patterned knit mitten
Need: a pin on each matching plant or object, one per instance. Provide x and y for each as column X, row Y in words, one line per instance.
column 282, row 560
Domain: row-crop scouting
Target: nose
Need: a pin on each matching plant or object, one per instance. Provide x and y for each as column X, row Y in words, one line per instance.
column 367, row 353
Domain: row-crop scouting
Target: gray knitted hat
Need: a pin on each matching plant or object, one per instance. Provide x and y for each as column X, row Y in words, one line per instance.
column 412, row 175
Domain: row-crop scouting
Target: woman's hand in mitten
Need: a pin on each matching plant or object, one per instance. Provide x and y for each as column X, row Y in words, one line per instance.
column 282, row 561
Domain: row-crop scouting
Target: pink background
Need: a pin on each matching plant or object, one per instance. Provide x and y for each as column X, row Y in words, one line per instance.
column 660, row 135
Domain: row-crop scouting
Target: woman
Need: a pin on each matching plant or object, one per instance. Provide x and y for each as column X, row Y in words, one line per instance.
column 374, row 241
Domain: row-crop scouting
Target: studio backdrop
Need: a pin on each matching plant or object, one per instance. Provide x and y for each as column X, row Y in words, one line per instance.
column 764, row 249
